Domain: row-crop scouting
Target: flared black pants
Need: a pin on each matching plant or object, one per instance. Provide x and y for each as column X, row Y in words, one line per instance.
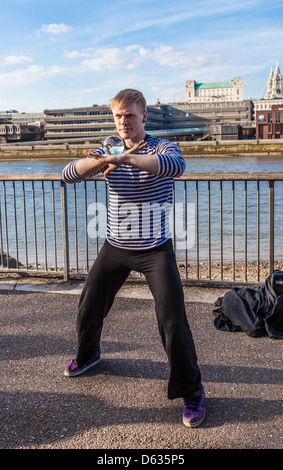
column 107, row 275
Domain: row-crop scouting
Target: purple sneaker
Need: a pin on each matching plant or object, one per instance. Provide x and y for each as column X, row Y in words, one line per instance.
column 194, row 409
column 73, row 369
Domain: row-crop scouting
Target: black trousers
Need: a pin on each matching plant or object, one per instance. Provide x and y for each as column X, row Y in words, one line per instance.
column 107, row 275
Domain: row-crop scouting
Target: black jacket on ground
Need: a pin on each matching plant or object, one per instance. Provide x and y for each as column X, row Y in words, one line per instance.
column 256, row 311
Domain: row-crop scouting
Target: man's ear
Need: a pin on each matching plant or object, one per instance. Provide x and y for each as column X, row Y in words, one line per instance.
column 144, row 116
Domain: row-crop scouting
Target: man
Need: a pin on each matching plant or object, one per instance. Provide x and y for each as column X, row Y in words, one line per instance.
column 138, row 179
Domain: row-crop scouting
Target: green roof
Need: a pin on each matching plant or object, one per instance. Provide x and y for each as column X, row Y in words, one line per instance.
column 205, row 86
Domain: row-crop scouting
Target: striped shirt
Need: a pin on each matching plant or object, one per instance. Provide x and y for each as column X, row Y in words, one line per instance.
column 139, row 202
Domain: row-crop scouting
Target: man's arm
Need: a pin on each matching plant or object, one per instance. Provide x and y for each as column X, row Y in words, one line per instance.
column 144, row 162
column 168, row 160
column 78, row 170
column 88, row 166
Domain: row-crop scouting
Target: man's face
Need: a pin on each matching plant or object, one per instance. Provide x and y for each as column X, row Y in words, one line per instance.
column 129, row 120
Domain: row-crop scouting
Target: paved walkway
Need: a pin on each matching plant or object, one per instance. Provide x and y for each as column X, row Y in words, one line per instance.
column 122, row 403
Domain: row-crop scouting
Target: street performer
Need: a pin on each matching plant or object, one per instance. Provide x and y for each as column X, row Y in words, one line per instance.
column 138, row 179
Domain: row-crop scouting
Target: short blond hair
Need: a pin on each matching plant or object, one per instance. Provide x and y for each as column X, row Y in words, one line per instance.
column 129, row 95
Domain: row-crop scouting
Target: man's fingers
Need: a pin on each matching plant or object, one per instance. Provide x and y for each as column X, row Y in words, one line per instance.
column 111, row 167
column 109, row 149
column 142, row 144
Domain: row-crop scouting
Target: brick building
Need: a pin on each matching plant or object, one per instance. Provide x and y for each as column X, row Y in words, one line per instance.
column 269, row 123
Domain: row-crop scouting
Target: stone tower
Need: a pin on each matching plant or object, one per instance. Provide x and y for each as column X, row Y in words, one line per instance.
column 274, row 88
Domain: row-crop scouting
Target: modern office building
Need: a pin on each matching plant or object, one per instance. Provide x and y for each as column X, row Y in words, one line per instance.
column 237, row 116
column 9, row 132
column 19, row 127
column 22, row 118
column 95, row 122
column 180, row 120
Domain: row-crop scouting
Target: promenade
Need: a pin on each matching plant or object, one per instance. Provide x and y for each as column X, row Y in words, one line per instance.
column 122, row 402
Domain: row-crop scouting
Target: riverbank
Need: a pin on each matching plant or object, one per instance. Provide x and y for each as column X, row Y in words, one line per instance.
column 238, row 149
column 189, row 149
column 252, row 272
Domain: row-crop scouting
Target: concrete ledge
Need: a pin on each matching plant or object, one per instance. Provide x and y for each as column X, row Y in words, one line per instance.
column 135, row 291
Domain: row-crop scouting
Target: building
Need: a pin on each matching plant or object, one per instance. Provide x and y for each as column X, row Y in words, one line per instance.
column 209, row 117
column 95, row 122
column 211, row 110
column 274, row 88
column 273, row 94
column 231, row 90
column 19, row 127
column 9, row 132
column 177, row 121
column 22, row 118
column 269, row 123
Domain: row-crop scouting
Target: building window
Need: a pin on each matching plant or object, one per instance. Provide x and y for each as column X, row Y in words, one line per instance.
column 277, row 117
column 269, row 117
column 270, row 129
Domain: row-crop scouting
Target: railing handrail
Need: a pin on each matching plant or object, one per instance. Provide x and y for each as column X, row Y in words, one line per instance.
column 187, row 176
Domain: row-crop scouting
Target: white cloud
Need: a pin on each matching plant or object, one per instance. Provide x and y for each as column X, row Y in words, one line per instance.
column 167, row 56
column 31, row 74
column 15, row 59
column 77, row 54
column 56, row 28
column 114, row 58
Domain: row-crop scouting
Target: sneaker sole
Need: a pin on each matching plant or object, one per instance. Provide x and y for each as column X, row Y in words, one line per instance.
column 81, row 371
column 193, row 425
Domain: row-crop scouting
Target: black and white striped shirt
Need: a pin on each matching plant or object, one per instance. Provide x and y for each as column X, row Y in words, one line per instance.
column 139, row 202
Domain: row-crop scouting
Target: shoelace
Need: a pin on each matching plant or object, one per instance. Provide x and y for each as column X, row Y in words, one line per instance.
column 192, row 403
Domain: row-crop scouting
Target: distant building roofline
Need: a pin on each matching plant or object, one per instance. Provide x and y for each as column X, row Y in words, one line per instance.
column 202, row 86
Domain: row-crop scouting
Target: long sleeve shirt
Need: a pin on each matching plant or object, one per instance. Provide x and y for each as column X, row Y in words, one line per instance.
column 139, row 202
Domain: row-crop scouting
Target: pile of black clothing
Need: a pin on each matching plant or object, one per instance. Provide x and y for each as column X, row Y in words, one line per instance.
column 256, row 311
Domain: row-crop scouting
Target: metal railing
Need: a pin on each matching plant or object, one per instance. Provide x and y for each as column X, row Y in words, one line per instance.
column 226, row 227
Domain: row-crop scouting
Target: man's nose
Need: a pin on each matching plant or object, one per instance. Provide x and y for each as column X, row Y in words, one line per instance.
column 124, row 119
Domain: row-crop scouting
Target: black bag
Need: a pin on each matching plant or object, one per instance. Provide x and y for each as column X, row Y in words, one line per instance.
column 277, row 282
column 257, row 311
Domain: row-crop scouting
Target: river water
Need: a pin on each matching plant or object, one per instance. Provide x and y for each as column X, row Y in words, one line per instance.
column 77, row 229
column 193, row 164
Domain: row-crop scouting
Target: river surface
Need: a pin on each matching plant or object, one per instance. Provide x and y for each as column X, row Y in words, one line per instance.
column 193, row 164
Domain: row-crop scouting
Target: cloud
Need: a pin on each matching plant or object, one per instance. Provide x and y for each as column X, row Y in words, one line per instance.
column 15, row 59
column 56, row 28
column 88, row 52
column 114, row 58
column 31, row 74
column 167, row 56
column 130, row 57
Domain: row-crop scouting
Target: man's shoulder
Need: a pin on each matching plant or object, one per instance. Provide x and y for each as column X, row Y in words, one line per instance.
column 162, row 145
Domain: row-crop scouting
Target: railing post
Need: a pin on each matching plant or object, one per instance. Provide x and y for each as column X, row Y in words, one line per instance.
column 271, row 226
column 64, row 213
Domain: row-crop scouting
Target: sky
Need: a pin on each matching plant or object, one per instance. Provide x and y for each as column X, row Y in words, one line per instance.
column 69, row 53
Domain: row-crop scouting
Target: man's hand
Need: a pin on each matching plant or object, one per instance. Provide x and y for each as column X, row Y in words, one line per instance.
column 115, row 161
column 102, row 159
